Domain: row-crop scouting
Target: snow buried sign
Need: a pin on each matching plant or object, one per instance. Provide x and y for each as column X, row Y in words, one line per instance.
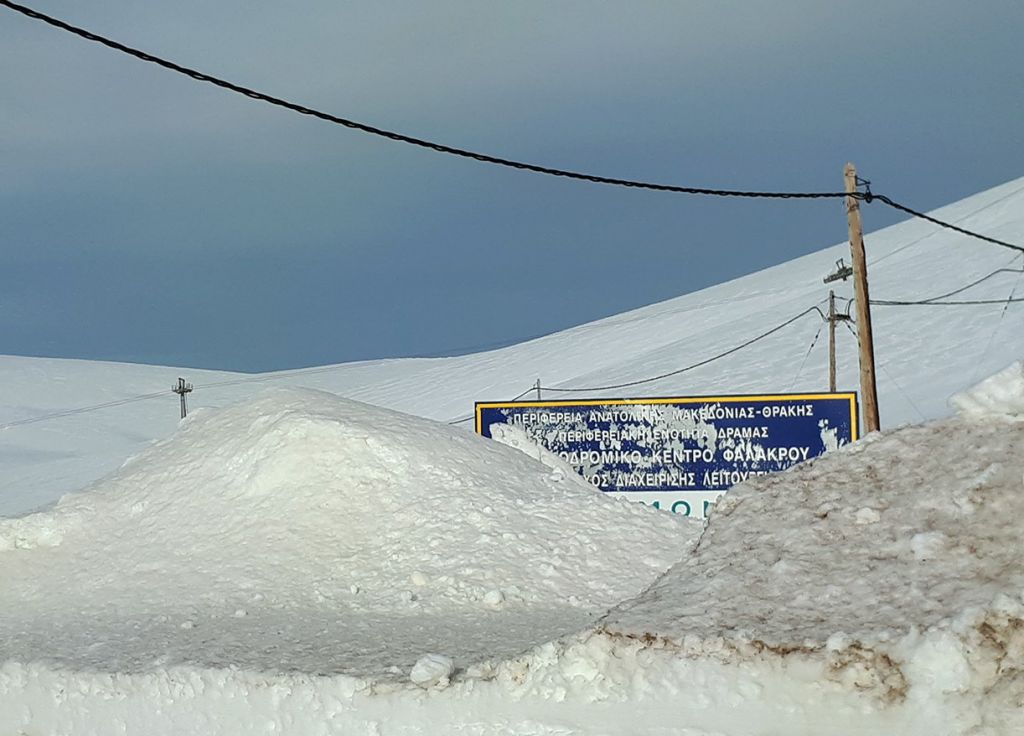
column 679, row 454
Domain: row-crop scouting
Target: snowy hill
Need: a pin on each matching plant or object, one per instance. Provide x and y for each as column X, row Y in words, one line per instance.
column 298, row 562
column 925, row 354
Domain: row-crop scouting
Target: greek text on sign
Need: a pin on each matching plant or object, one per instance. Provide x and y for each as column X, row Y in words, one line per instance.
column 680, row 445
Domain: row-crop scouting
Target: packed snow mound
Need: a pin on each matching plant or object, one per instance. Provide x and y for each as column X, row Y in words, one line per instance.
column 895, row 561
column 877, row 589
column 1000, row 395
column 303, row 507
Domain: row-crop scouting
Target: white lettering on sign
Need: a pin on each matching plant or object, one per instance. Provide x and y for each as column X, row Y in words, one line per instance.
column 758, row 454
column 691, row 446
column 787, row 412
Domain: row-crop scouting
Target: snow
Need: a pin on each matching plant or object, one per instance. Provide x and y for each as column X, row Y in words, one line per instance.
column 286, row 533
column 1001, row 394
column 432, row 670
column 304, row 563
column 290, row 561
column 925, row 354
column 892, row 566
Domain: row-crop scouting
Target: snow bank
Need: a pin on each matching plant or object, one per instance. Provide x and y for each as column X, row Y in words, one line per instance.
column 998, row 395
column 892, row 568
column 233, row 580
column 303, row 532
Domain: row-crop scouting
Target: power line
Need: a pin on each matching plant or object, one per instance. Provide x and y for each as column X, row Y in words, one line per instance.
column 325, row 369
column 807, row 355
column 966, row 216
column 473, row 416
column 81, row 410
column 400, row 137
column 995, row 329
column 941, row 299
column 869, row 197
column 889, row 375
column 482, row 157
column 975, row 283
column 932, row 303
column 730, row 351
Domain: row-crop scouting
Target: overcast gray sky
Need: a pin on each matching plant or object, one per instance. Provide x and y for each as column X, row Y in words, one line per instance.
column 147, row 217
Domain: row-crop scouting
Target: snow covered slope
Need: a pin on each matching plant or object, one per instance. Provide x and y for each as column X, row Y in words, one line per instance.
column 925, row 353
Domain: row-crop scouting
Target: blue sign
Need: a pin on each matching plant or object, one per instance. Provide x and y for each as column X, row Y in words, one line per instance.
column 680, row 445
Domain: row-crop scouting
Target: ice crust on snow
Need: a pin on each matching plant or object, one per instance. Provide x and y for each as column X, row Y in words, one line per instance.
column 304, row 532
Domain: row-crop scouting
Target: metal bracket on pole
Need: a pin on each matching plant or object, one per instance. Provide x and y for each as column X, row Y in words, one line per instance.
column 182, row 388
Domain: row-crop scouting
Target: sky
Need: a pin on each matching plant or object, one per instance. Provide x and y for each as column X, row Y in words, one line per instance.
column 147, row 217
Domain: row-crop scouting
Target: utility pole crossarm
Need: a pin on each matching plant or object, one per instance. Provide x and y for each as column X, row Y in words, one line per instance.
column 181, row 388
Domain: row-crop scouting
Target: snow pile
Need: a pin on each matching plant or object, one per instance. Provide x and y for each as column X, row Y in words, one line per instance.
column 270, row 569
column 1001, row 394
column 891, row 568
column 303, row 532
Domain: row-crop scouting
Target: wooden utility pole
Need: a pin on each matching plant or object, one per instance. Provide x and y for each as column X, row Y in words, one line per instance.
column 868, row 391
column 831, row 341
column 537, row 386
column 841, row 273
column 181, row 389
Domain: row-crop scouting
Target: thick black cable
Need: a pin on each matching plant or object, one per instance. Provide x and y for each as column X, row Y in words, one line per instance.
column 390, row 135
column 935, row 221
column 730, row 351
column 485, row 158
column 963, row 218
column 482, row 157
column 932, row 303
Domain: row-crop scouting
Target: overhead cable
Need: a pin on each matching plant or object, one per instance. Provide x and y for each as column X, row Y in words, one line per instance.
column 730, row 351
column 888, row 375
column 974, row 283
column 943, row 299
column 473, row 416
column 868, row 197
column 935, row 303
column 803, row 362
column 81, row 410
column 400, row 137
column 483, row 157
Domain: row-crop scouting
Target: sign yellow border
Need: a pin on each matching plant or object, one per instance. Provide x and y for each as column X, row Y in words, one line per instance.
column 850, row 396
